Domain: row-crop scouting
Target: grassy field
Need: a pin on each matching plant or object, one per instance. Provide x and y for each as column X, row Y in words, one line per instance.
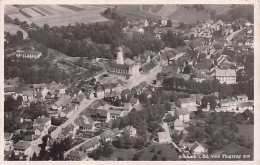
column 167, row 153
column 12, row 29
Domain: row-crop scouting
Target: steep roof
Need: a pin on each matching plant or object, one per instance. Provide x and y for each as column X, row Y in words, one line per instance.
column 41, row 120
column 22, row 145
column 187, row 100
column 230, row 72
column 182, row 111
column 195, row 145
column 178, row 123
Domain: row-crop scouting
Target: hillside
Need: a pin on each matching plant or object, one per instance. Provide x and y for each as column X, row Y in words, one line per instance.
column 134, row 12
column 180, row 12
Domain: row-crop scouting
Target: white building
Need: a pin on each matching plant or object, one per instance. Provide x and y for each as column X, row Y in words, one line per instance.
column 226, row 76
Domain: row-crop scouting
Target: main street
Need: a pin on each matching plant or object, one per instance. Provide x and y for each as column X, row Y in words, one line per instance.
column 82, row 107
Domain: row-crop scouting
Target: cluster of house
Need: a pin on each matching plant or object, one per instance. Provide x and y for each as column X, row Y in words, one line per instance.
column 243, row 41
column 109, row 135
column 29, row 143
column 35, row 92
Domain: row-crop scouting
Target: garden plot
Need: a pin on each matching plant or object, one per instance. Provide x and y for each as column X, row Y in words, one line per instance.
column 42, row 10
column 32, row 13
column 49, row 9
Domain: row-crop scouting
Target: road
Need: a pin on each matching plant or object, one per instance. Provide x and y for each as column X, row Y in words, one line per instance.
column 230, row 37
column 82, row 107
column 144, row 77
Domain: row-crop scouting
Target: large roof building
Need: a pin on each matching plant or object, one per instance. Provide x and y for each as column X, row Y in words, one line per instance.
column 226, row 76
column 123, row 69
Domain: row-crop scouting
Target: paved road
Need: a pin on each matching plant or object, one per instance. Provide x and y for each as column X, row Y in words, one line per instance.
column 83, row 106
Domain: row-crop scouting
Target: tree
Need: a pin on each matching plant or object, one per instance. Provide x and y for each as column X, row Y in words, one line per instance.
column 169, row 23
column 154, row 157
column 188, row 69
column 34, row 157
column 46, row 27
column 19, row 35
column 13, row 157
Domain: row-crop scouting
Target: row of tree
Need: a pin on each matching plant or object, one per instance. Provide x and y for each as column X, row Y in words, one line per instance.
column 208, row 87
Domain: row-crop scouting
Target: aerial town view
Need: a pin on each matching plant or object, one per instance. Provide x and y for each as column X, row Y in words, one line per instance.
column 128, row 82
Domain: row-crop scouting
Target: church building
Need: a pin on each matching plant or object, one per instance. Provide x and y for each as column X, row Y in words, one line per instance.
column 122, row 70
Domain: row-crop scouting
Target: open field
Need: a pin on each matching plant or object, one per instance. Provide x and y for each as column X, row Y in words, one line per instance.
column 9, row 9
column 58, row 15
column 12, row 29
column 167, row 152
column 20, row 17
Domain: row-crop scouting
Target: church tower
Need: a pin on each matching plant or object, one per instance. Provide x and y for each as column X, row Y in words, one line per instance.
column 120, row 58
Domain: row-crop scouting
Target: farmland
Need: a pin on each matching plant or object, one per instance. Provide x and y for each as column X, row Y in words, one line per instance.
column 12, row 29
column 57, row 15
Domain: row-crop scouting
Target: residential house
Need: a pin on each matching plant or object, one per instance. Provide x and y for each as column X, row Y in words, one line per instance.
column 164, row 137
column 108, row 135
column 186, row 102
column 79, row 99
column 139, row 88
column 198, row 149
column 91, row 144
column 183, row 114
column 159, row 31
column 114, row 114
column 22, row 148
column 8, row 142
column 41, row 125
column 85, row 123
column 75, row 155
column 34, row 139
column 229, row 104
column 67, row 112
column 178, row 125
column 242, row 106
column 62, row 102
column 130, row 131
column 242, row 98
column 99, row 114
column 100, row 93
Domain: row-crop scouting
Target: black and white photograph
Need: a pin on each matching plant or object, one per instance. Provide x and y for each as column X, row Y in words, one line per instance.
column 128, row 82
